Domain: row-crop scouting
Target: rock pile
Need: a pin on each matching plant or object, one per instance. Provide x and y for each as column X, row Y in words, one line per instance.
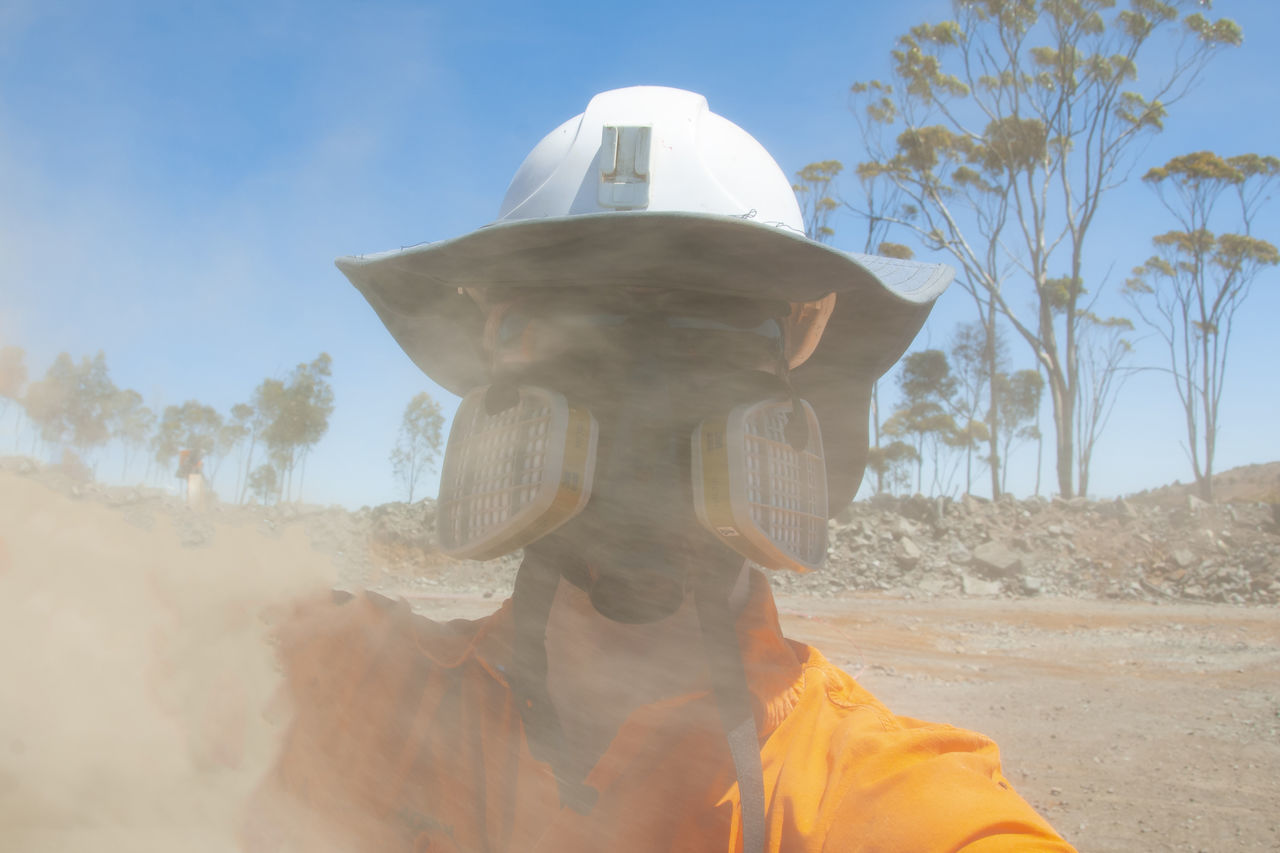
column 922, row 547
column 1227, row 553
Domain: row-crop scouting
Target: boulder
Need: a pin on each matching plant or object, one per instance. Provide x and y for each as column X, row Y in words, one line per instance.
column 909, row 553
column 995, row 559
column 977, row 586
column 933, row 586
column 904, row 528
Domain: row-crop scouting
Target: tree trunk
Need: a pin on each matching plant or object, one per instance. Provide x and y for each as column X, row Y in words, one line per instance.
column 1205, row 487
column 1210, row 419
column 1210, row 437
column 993, row 448
column 1064, row 452
column 1063, row 427
column 248, row 465
column 412, row 466
column 875, row 432
column 920, row 465
column 1039, row 458
column 968, row 467
column 286, row 481
column 993, row 410
column 302, row 473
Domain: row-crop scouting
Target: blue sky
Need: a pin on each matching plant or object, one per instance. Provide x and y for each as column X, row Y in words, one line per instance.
column 176, row 178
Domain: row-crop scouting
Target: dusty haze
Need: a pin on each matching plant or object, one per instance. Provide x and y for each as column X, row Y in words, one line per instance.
column 136, row 671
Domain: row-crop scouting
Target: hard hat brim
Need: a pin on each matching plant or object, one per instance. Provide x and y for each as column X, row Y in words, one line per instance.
column 416, row 290
column 881, row 303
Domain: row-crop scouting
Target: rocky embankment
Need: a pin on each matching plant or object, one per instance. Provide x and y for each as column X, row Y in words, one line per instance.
column 1153, row 547
column 1227, row 553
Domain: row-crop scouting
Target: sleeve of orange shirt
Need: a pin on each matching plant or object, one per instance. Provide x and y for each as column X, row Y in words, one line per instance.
column 943, row 792
column 893, row 783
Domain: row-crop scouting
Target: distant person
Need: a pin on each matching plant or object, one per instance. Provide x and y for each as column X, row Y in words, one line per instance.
column 665, row 396
column 191, row 475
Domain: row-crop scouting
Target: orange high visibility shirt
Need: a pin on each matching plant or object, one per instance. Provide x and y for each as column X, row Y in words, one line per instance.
column 406, row 737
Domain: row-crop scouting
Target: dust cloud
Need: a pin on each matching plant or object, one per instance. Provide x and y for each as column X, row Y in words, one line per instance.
column 136, row 672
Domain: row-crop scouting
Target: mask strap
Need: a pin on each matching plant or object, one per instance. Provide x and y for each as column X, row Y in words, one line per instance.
column 535, row 590
column 797, row 428
column 504, row 391
column 729, row 683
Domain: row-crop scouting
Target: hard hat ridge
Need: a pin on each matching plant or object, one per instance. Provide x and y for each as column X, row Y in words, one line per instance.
column 655, row 149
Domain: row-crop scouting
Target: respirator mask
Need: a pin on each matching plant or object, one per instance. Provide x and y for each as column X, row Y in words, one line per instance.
column 636, row 435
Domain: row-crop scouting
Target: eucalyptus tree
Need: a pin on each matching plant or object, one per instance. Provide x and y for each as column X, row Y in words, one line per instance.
column 132, row 424
column 191, row 426
column 924, row 413
column 418, row 444
column 71, row 404
column 891, row 465
column 231, row 438
column 1006, row 128
column 817, row 198
column 263, row 405
column 1103, row 351
column 264, row 483
column 1020, row 393
column 1190, row 291
column 298, row 411
column 979, row 352
column 13, row 379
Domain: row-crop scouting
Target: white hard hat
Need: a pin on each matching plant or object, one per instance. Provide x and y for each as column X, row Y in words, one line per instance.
column 647, row 187
column 652, row 149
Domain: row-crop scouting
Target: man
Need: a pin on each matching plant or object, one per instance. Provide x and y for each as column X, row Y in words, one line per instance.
column 665, row 387
column 191, row 473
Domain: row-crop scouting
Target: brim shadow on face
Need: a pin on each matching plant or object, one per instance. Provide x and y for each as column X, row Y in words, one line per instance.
column 881, row 303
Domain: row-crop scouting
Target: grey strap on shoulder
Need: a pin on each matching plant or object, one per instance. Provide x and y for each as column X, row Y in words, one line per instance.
column 535, row 590
column 729, row 682
column 744, row 746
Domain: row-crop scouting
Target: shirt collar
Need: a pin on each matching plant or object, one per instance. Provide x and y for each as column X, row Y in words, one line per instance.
column 773, row 667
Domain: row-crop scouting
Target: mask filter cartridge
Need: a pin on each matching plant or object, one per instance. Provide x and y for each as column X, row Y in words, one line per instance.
column 756, row 492
column 512, row 477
